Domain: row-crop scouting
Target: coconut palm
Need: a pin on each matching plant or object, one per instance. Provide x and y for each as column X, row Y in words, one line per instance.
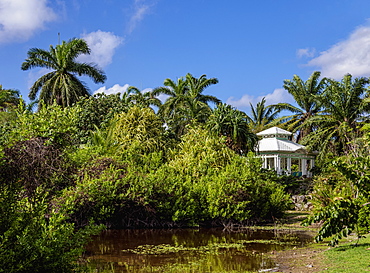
column 344, row 111
column 263, row 116
column 233, row 124
column 61, row 85
column 305, row 94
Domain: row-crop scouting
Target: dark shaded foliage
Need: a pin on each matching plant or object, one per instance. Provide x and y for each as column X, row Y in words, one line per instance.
column 97, row 111
column 36, row 162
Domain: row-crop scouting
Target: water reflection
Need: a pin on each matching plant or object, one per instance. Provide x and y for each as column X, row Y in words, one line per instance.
column 188, row 250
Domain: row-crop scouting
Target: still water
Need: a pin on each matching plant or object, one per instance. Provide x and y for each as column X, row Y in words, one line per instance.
column 189, row 250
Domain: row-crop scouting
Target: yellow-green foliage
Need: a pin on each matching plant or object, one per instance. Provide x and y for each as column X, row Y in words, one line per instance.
column 200, row 152
column 140, row 128
column 52, row 122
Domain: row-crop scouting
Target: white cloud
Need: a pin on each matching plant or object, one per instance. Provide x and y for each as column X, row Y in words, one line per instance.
column 349, row 56
column 102, row 45
column 306, row 52
column 121, row 89
column 241, row 103
column 277, row 96
column 113, row 90
column 141, row 8
column 19, row 19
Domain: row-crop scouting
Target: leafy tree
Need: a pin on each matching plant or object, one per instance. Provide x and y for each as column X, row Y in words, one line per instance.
column 33, row 167
column 263, row 116
column 209, row 182
column 305, row 94
column 194, row 112
column 344, row 109
column 139, row 129
column 96, row 112
column 200, row 152
column 232, row 124
column 61, row 84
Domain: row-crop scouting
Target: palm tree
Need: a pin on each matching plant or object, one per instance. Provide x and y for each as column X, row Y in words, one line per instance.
column 197, row 86
column 9, row 99
column 305, row 94
column 232, row 124
column 263, row 116
column 345, row 109
column 61, row 85
column 177, row 92
column 186, row 102
column 144, row 99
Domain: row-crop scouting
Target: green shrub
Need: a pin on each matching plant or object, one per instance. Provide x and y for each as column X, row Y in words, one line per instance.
column 342, row 199
column 36, row 239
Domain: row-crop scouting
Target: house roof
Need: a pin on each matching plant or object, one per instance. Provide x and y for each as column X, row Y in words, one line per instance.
column 276, row 140
column 274, row 131
column 274, row 144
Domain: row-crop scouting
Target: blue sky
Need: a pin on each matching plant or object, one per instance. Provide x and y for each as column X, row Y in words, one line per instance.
column 250, row 46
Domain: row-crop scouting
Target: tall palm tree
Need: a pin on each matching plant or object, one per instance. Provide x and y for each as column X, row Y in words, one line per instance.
column 233, row 124
column 186, row 101
column 305, row 94
column 61, row 84
column 345, row 109
column 263, row 116
column 9, row 99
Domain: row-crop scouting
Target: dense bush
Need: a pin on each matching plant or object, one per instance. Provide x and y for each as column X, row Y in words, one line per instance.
column 342, row 199
column 203, row 182
column 52, row 122
column 97, row 111
column 34, row 238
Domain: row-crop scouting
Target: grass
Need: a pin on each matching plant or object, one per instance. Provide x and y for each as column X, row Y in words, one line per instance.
column 349, row 257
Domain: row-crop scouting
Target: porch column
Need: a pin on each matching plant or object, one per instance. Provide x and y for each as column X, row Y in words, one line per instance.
column 264, row 164
column 304, row 167
column 278, row 164
column 289, row 165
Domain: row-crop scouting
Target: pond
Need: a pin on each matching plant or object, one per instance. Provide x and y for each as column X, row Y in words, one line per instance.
column 189, row 250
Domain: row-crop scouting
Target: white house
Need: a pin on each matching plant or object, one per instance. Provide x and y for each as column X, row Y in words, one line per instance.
column 283, row 155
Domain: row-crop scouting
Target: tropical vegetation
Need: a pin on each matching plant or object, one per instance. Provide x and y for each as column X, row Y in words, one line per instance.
column 80, row 162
